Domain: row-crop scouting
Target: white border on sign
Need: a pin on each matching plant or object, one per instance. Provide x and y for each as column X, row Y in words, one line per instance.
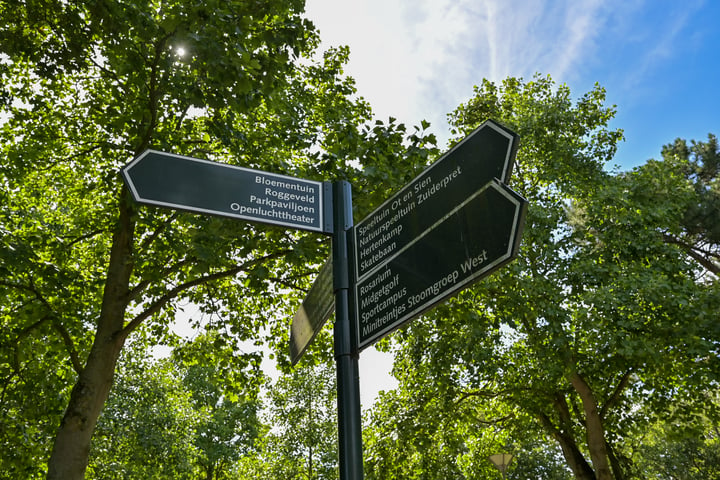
column 506, row 166
column 455, row 287
column 126, row 169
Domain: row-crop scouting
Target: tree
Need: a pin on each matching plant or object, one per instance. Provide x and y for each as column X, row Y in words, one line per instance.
column 671, row 451
column 301, row 438
column 419, row 433
column 225, row 401
column 88, row 85
column 409, row 437
column 183, row 416
column 694, row 173
column 148, row 425
column 599, row 314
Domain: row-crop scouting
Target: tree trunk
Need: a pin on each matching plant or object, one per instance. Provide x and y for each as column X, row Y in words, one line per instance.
column 594, row 428
column 71, row 449
column 575, row 459
column 615, row 463
column 310, row 463
column 573, row 456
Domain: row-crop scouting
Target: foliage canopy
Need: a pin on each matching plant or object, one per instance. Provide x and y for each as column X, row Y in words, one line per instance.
column 604, row 324
column 604, row 328
column 88, row 85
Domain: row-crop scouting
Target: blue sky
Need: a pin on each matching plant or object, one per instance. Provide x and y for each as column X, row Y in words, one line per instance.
column 659, row 61
column 418, row 59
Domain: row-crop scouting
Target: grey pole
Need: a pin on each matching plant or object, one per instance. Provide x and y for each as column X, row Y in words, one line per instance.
column 346, row 350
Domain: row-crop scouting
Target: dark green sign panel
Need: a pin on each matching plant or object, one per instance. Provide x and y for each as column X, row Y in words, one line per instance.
column 314, row 312
column 196, row 185
column 485, row 154
column 471, row 241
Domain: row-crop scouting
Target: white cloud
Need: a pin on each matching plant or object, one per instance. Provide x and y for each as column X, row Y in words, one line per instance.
column 418, row 59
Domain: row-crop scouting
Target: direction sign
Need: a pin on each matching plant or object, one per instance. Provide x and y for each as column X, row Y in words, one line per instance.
column 486, row 153
column 196, row 185
column 314, row 312
column 471, row 241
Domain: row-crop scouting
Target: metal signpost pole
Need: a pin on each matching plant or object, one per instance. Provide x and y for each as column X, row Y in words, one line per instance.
column 346, row 350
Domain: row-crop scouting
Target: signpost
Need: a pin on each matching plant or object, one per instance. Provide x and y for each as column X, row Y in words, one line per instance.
column 486, row 153
column 452, row 225
column 186, row 183
column 314, row 312
column 473, row 240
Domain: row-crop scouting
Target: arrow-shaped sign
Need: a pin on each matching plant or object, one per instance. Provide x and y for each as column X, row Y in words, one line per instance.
column 196, row 185
column 317, row 307
column 473, row 240
column 485, row 154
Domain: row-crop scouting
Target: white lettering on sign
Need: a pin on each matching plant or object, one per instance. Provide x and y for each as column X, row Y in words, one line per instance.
column 385, row 299
column 382, row 301
column 434, row 289
column 291, row 205
column 280, row 200
column 296, row 186
column 471, row 263
column 376, row 240
column 424, row 194
column 289, row 196
column 270, row 213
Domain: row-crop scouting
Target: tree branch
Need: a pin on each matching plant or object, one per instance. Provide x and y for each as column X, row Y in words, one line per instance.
column 147, row 241
column 79, row 154
column 22, row 334
column 561, row 407
column 83, row 237
column 69, row 346
column 154, row 92
column 594, row 428
column 64, row 335
column 173, row 293
column 694, row 253
column 477, row 393
column 619, row 388
column 138, row 289
column 18, row 286
column 288, row 284
column 571, row 452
